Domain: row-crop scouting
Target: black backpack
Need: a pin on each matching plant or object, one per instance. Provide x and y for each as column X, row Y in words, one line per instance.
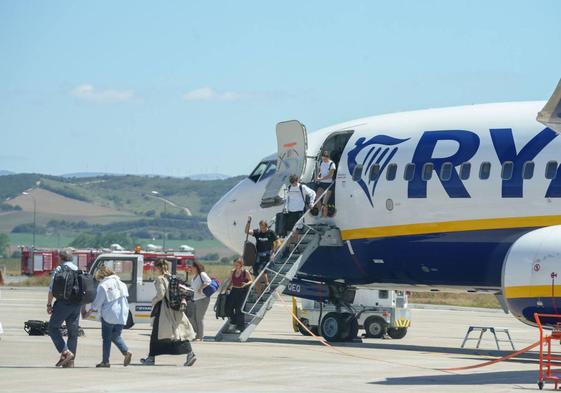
column 179, row 293
column 74, row 286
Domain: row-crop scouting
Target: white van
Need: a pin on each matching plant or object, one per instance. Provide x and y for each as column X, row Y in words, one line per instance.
column 138, row 273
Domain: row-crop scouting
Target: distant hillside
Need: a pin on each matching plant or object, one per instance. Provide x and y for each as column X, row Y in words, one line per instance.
column 110, row 203
column 208, row 176
column 4, row 173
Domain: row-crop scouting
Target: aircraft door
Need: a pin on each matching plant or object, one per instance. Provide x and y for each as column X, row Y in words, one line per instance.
column 292, row 143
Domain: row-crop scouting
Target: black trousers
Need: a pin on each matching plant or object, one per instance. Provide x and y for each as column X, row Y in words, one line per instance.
column 235, row 299
column 166, row 347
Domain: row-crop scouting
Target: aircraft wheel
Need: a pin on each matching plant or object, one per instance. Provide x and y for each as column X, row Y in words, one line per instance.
column 375, row 327
column 397, row 333
column 303, row 331
column 350, row 327
column 332, row 327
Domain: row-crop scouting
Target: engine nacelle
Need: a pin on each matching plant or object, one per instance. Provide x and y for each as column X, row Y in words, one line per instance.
column 531, row 279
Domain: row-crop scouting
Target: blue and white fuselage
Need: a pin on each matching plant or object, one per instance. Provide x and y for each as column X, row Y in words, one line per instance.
column 434, row 200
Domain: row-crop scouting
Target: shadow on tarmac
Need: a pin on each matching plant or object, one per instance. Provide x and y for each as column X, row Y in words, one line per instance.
column 528, row 357
column 493, row 378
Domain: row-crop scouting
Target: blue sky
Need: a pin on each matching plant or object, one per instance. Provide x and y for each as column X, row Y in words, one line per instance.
column 179, row 88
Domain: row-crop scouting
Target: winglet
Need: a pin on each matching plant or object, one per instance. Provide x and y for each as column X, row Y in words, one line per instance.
column 550, row 115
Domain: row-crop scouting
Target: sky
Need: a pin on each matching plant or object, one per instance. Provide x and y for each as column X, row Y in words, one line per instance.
column 183, row 87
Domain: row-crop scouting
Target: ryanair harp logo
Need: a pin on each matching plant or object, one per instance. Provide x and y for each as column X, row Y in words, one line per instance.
column 378, row 150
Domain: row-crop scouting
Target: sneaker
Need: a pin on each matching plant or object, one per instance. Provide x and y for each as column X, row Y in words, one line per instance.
column 128, row 357
column 148, row 361
column 70, row 364
column 191, row 359
column 102, row 365
column 65, row 357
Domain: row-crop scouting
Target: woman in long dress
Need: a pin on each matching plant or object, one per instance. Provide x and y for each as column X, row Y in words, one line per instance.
column 171, row 330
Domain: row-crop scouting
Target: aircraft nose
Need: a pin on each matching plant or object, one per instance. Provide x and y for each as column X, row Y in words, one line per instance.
column 216, row 224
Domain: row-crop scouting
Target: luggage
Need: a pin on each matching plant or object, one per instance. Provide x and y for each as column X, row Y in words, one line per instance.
column 249, row 253
column 40, row 328
column 74, row 286
column 220, row 307
column 179, row 293
column 280, row 224
column 36, row 328
column 212, row 287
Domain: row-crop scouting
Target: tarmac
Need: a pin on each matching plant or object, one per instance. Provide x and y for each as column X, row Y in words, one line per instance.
column 275, row 359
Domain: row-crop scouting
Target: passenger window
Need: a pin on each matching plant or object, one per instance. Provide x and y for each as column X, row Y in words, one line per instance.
column 357, row 172
column 528, row 170
column 485, row 170
column 122, row 267
column 374, row 172
column 506, row 172
column 409, row 172
column 258, row 172
column 446, row 171
column 465, row 170
column 391, row 171
column 551, row 170
column 427, row 171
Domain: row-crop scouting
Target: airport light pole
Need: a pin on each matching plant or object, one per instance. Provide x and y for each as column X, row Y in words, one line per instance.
column 34, row 215
column 158, row 196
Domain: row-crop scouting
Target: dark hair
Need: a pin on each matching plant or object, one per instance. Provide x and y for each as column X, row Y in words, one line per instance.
column 325, row 153
column 199, row 266
column 293, row 178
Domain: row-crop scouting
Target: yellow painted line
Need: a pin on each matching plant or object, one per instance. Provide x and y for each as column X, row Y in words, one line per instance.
column 450, row 226
column 142, row 315
column 524, row 291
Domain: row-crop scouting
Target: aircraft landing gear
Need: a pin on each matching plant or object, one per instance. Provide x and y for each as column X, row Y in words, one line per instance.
column 336, row 326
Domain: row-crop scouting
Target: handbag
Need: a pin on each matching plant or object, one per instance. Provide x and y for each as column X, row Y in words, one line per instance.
column 156, row 310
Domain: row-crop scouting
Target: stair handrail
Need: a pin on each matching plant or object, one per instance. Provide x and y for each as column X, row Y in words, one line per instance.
column 282, row 248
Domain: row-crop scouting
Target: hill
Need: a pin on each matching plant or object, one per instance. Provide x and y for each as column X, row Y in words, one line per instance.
column 123, row 204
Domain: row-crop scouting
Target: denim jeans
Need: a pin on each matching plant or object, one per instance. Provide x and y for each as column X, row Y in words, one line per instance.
column 112, row 333
column 69, row 313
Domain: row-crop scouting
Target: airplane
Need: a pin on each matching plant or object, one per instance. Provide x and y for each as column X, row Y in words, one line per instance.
column 462, row 199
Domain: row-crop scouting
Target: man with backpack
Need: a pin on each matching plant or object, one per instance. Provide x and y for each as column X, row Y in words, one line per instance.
column 64, row 310
column 324, row 177
column 298, row 199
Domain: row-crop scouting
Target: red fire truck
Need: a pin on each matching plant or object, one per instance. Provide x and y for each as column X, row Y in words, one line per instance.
column 42, row 261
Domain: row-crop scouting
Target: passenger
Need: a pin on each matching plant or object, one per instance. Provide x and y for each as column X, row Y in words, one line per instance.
column 266, row 241
column 297, row 201
column 240, row 280
column 112, row 306
column 171, row 330
column 324, row 178
column 64, row 311
column 200, row 281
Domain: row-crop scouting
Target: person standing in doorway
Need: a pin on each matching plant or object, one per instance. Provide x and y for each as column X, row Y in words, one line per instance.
column 298, row 200
column 324, row 177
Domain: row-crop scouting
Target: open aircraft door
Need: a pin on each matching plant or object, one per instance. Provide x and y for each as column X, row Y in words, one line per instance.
column 292, row 143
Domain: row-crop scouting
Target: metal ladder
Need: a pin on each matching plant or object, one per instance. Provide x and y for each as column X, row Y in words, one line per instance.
column 281, row 269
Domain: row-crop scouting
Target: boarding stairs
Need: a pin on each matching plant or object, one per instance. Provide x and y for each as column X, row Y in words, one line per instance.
column 281, row 269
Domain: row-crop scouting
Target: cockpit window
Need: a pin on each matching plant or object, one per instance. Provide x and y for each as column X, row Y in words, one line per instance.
column 263, row 170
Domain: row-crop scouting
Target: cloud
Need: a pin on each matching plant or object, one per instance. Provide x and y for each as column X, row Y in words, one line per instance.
column 87, row 92
column 209, row 94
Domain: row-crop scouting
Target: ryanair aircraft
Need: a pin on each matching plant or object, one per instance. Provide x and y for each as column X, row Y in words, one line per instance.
column 455, row 199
